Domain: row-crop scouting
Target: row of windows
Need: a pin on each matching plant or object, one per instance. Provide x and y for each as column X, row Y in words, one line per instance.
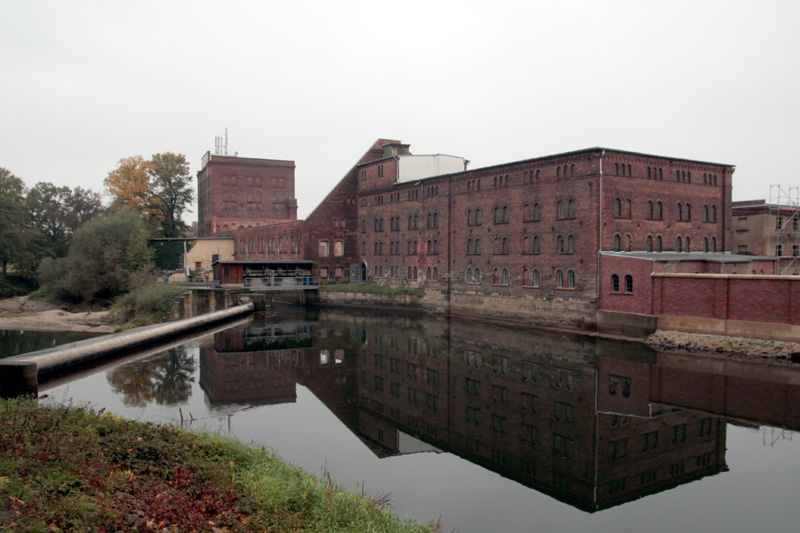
column 656, row 173
column 530, row 278
column 268, row 244
column 679, row 434
column 396, row 272
column 656, row 244
column 654, row 211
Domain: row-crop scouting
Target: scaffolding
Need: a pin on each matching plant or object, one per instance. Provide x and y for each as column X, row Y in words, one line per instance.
column 784, row 233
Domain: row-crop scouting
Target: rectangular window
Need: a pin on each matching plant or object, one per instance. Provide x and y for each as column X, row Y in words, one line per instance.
column 338, row 248
column 226, row 272
column 323, row 248
column 323, row 273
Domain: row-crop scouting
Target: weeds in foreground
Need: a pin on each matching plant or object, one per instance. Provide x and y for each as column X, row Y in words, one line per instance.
column 66, row 468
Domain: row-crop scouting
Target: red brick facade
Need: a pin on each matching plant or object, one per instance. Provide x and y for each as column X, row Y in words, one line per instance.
column 240, row 192
column 519, row 239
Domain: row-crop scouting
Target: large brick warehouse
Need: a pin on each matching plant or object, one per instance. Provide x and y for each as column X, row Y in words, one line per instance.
column 521, row 238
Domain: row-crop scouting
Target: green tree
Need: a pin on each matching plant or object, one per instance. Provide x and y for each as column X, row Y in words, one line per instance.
column 14, row 236
column 172, row 191
column 104, row 256
column 82, row 206
column 46, row 207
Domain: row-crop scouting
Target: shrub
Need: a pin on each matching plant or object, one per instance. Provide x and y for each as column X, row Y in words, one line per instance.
column 149, row 304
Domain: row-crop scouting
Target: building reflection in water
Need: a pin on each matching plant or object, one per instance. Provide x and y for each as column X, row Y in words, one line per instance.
column 589, row 422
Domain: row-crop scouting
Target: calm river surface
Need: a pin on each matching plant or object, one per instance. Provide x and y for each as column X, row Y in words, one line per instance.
column 492, row 429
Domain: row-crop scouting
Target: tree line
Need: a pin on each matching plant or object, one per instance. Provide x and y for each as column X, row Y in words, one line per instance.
column 80, row 249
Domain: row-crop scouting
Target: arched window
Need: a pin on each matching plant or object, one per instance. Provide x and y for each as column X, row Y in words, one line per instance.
column 560, row 209
column 559, row 279
column 571, row 279
column 526, row 241
column 468, row 276
column 560, row 244
column 470, row 218
column 363, row 226
column 705, row 244
column 705, row 213
column 536, row 247
column 679, row 244
column 649, row 247
column 713, row 213
column 506, row 216
column 535, row 277
column 628, row 283
column 506, row 246
column 649, row 210
column 504, row 277
column 679, row 211
column 617, row 242
column 495, row 276
column 537, row 212
column 527, row 212
column 435, row 220
column 497, row 215
column 435, row 247
column 525, row 277
column 477, row 246
column 477, row 275
column 415, row 273
column 713, row 244
column 428, row 274
column 687, row 215
column 470, row 249
column 688, row 243
column 571, row 208
column 571, row 244
column 659, row 211
column 435, row 274
column 659, row 243
column 628, row 242
column 617, row 207
column 408, row 276
column 478, row 218
column 614, row 283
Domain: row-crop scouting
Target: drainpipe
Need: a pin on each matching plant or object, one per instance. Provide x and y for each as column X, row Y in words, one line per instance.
column 600, row 224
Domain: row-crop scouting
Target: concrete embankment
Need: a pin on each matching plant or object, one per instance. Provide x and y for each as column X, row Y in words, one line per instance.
column 20, row 374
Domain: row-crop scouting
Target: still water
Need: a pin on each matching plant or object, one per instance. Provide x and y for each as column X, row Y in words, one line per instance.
column 490, row 429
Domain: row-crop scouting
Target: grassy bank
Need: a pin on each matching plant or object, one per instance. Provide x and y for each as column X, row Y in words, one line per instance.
column 79, row 470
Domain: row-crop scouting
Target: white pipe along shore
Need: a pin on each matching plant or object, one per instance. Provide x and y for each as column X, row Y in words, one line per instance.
column 19, row 374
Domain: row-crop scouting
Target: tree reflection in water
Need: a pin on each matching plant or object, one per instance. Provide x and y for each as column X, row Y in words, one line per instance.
column 166, row 380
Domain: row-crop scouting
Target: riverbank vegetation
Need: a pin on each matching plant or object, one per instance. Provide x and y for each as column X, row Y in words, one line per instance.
column 67, row 468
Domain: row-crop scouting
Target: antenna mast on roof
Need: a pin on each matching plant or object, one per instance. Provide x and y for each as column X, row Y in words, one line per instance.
column 221, row 144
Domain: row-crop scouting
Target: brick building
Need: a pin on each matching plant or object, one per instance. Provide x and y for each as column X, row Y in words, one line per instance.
column 241, row 192
column 768, row 229
column 519, row 239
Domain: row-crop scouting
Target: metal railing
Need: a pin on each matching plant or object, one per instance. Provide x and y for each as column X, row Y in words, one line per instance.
column 282, row 283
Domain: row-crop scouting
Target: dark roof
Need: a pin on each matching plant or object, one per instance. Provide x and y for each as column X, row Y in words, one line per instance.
column 712, row 257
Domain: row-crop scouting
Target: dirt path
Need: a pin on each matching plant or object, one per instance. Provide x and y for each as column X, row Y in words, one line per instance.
column 20, row 313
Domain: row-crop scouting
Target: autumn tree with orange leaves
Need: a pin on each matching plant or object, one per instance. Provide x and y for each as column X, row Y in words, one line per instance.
column 159, row 190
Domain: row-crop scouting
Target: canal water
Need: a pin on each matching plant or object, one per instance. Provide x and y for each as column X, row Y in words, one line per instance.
column 491, row 429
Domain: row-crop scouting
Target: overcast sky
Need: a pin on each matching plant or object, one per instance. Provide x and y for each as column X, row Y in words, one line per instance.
column 86, row 83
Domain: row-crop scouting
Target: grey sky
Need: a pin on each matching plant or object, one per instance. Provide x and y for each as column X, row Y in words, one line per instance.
column 84, row 84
